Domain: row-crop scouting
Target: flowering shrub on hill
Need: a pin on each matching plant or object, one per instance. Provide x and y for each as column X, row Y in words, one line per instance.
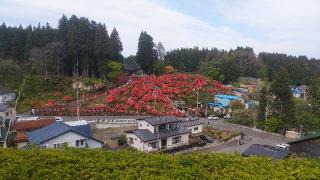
column 154, row 95
column 146, row 95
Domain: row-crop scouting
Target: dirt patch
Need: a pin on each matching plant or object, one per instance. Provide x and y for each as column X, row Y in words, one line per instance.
column 102, row 134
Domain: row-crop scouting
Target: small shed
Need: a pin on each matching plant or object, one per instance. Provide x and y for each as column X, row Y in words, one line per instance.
column 112, row 140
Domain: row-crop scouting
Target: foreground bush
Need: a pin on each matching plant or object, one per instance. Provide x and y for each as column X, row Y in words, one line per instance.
column 100, row 164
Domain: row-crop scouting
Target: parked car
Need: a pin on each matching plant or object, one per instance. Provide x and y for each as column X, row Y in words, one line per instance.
column 227, row 116
column 284, row 146
column 206, row 138
column 58, row 119
column 213, row 117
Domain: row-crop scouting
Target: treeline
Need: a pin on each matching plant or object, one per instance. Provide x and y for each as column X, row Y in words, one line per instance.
column 77, row 45
column 242, row 62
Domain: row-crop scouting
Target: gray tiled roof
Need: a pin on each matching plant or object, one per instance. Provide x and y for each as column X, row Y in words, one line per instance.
column 161, row 120
column 4, row 107
column 44, row 134
column 191, row 123
column 130, row 66
column 5, row 92
column 146, row 135
column 265, row 150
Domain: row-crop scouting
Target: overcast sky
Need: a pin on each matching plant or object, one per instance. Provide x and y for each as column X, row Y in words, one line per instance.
column 285, row 26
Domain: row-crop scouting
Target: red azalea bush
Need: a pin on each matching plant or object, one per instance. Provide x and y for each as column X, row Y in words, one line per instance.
column 154, row 95
column 146, row 95
column 50, row 102
column 67, row 98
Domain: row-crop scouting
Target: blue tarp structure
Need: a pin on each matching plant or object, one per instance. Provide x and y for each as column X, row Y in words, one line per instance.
column 223, row 100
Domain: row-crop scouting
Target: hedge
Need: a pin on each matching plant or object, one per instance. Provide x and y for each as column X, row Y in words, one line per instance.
column 127, row 164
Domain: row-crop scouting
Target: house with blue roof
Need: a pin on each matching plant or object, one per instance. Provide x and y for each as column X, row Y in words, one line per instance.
column 60, row 134
column 299, row 91
column 222, row 101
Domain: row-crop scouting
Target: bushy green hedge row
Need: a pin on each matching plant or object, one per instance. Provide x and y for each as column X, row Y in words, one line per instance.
column 100, row 164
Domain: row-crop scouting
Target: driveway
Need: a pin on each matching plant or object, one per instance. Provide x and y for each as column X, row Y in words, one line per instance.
column 252, row 136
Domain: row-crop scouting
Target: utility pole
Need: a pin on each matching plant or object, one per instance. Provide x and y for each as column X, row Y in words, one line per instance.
column 78, row 113
column 197, row 102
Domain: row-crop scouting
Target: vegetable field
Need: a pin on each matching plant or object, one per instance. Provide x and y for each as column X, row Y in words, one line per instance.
column 127, row 164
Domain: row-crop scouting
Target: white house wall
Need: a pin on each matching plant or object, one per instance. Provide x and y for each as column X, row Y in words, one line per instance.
column 184, row 140
column 195, row 131
column 145, row 125
column 137, row 142
column 70, row 138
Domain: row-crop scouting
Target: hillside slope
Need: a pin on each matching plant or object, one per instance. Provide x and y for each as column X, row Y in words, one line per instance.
column 101, row 164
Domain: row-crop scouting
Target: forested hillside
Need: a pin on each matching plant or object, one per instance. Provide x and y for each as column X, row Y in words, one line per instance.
column 76, row 43
column 85, row 47
column 101, row 164
column 242, row 62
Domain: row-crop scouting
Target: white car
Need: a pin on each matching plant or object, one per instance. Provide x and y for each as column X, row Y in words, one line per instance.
column 212, row 117
column 282, row 146
column 58, row 119
column 227, row 116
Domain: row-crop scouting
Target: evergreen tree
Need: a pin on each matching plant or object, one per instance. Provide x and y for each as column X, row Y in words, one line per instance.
column 63, row 28
column 101, row 50
column 115, row 46
column 263, row 100
column 146, row 55
column 284, row 105
column 314, row 92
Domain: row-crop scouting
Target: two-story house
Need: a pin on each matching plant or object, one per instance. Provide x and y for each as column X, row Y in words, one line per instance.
column 156, row 133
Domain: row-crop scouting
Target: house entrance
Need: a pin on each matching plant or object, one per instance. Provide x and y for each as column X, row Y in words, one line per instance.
column 163, row 143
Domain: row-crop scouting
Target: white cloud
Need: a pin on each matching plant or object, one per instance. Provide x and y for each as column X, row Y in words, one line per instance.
column 287, row 25
column 176, row 29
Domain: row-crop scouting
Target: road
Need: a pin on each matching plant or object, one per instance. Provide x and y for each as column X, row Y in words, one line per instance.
column 252, row 136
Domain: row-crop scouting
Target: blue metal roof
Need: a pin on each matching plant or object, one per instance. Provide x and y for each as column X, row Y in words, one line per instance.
column 227, row 96
column 217, row 104
column 223, row 100
column 44, row 134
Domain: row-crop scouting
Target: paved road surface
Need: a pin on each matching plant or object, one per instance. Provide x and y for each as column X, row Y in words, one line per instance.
column 251, row 137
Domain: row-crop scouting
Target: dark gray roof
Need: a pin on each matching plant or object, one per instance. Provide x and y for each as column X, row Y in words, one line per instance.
column 5, row 92
column 310, row 150
column 161, row 120
column 306, row 138
column 265, row 150
column 130, row 66
column 189, row 123
column 44, row 134
column 4, row 107
column 146, row 135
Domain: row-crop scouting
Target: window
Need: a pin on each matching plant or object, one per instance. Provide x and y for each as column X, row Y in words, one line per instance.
column 80, row 142
column 140, row 124
column 196, row 128
column 130, row 140
column 176, row 140
column 153, row 145
column 7, row 114
column 59, row 145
